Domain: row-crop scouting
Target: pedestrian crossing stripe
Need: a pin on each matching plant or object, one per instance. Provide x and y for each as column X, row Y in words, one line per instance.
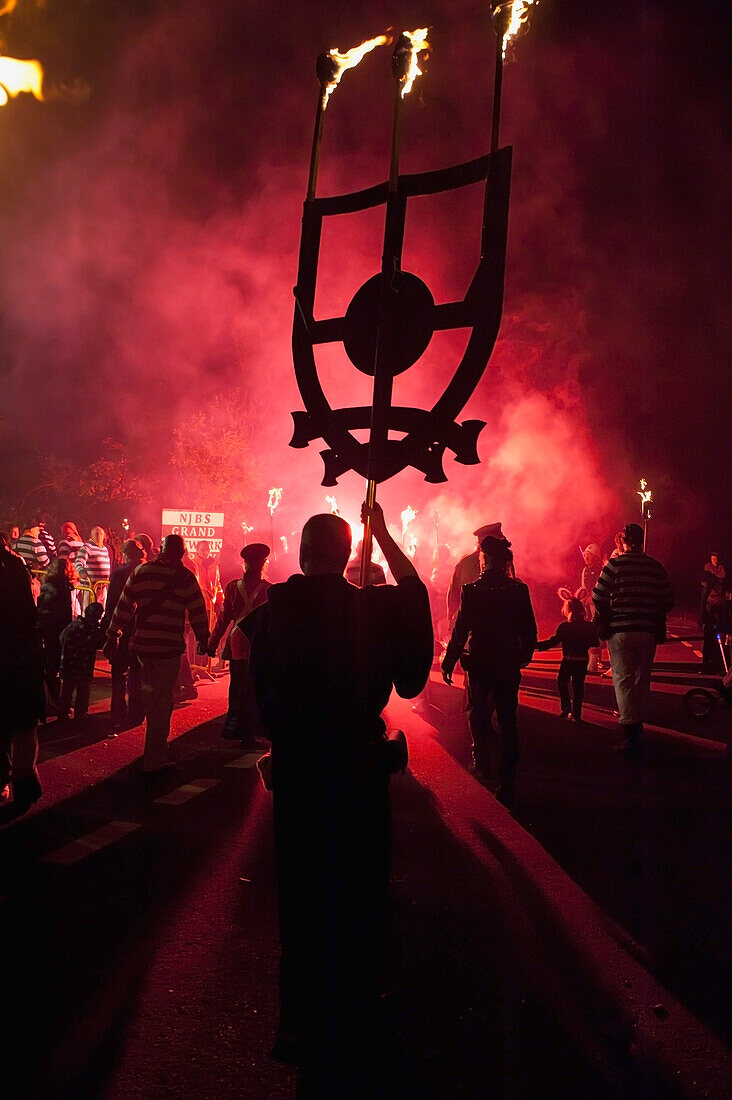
column 248, row 760
column 187, row 791
column 92, row 842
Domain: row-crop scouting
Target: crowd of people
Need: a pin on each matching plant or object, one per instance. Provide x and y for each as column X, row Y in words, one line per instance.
column 312, row 664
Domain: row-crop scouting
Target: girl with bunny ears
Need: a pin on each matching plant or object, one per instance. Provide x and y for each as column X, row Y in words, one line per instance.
column 576, row 636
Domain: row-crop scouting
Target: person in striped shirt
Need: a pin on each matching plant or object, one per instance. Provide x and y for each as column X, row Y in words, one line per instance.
column 632, row 597
column 159, row 594
column 71, row 541
column 93, row 563
column 31, row 549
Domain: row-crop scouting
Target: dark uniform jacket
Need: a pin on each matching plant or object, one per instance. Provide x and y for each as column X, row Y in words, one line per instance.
column 497, row 622
column 325, row 656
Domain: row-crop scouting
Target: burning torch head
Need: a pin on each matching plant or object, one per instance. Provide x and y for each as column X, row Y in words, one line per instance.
column 510, row 20
column 411, row 50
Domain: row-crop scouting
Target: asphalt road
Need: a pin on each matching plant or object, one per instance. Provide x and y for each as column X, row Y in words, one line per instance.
column 140, row 926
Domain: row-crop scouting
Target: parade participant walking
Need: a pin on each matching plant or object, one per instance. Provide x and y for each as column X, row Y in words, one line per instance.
column 207, row 571
column 80, row 641
column 632, row 598
column 159, row 594
column 592, row 557
column 71, row 541
column 46, row 538
column 714, row 580
column 125, row 707
column 54, row 615
column 240, row 597
column 31, row 549
column 497, row 622
column 93, row 564
column 467, row 570
column 325, row 656
column 22, row 704
column 576, row 637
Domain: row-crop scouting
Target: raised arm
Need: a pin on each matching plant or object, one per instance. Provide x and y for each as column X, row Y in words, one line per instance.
column 399, row 563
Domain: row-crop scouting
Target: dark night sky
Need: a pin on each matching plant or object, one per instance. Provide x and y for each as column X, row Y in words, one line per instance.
column 150, row 232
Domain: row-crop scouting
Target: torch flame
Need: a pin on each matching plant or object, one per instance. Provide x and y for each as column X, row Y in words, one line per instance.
column 418, row 44
column 245, row 527
column 518, row 20
column 20, row 76
column 285, row 545
column 645, row 494
column 333, row 506
column 342, row 61
column 275, row 496
column 407, row 516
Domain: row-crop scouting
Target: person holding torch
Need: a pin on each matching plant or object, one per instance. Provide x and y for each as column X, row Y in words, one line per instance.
column 325, row 656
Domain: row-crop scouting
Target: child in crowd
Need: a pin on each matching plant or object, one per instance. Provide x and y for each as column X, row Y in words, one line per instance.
column 80, row 641
column 576, row 637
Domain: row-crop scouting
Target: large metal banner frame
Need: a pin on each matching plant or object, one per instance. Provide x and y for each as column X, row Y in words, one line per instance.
column 388, row 326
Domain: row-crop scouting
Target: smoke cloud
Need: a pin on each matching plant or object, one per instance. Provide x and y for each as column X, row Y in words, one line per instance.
column 150, row 244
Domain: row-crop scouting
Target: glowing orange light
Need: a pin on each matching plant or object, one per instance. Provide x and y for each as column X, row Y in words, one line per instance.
column 419, row 45
column 645, row 494
column 275, row 496
column 348, row 60
column 518, row 23
column 333, row 505
column 407, row 516
column 20, row 76
column 8, row 7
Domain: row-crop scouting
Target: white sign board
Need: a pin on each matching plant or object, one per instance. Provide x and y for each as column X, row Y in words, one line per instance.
column 195, row 525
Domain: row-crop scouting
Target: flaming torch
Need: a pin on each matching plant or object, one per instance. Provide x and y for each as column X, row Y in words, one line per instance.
column 510, row 20
column 333, row 505
column 408, row 515
column 246, row 529
column 19, row 76
column 275, row 496
column 412, row 48
column 646, row 506
column 329, row 68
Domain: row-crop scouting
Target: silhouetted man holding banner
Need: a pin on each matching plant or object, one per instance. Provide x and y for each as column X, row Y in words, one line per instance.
column 325, row 656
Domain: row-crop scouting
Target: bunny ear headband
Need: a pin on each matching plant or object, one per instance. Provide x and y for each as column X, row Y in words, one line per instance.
column 566, row 594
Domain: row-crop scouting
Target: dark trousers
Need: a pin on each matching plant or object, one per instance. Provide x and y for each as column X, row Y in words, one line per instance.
column 332, row 834
column 242, row 720
column 82, row 687
column 576, row 671
column 126, row 703
column 490, row 691
column 52, row 661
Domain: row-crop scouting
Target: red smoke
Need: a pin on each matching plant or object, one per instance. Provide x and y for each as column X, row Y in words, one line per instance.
column 150, row 265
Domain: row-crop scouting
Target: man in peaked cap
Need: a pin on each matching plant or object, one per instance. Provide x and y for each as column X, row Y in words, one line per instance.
column 467, row 569
column 493, row 638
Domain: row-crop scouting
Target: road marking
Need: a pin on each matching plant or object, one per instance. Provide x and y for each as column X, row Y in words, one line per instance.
column 248, row 760
column 187, row 791
column 92, row 842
